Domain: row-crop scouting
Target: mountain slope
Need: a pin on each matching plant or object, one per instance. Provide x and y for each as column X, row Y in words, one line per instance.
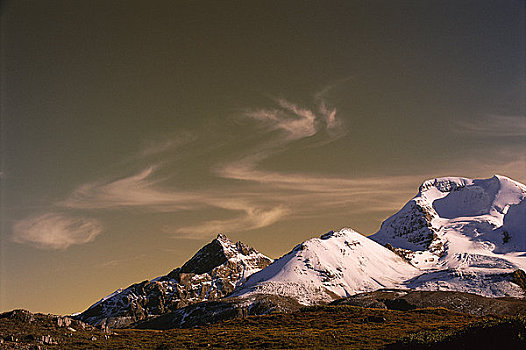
column 212, row 273
column 464, row 234
column 335, row 265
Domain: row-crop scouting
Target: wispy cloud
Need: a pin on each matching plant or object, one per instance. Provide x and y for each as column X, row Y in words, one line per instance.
column 295, row 122
column 258, row 198
column 251, row 218
column 266, row 198
column 495, row 126
column 298, row 122
column 55, row 231
column 140, row 191
column 305, row 194
column 133, row 191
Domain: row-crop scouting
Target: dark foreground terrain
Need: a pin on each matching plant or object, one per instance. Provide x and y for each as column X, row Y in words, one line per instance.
column 322, row 327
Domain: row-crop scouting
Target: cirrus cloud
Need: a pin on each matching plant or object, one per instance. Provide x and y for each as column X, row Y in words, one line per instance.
column 55, row 231
column 133, row 191
column 495, row 126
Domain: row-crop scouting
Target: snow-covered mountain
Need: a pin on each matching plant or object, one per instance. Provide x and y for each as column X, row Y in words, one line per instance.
column 456, row 234
column 463, row 234
column 212, row 273
column 336, row 265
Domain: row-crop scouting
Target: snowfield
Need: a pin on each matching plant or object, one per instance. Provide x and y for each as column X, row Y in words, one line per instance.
column 337, row 264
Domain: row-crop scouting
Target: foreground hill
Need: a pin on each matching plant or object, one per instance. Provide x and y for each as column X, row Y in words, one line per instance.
column 317, row 327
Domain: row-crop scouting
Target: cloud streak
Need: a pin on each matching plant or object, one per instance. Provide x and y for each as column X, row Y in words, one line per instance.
column 55, row 231
column 252, row 218
column 134, row 191
column 495, row 126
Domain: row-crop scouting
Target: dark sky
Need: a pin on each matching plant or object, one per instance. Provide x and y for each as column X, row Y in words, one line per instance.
column 134, row 131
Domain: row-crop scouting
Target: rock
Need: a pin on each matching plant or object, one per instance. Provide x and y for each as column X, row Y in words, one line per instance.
column 48, row 340
column 63, row 321
column 519, row 278
column 80, row 324
column 403, row 253
column 208, row 312
column 404, row 300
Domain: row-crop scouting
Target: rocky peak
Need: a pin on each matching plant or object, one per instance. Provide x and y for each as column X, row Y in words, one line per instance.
column 212, row 273
column 232, row 249
column 218, row 252
column 211, row 255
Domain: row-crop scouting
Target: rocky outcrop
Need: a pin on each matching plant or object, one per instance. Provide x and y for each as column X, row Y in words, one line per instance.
column 211, row 274
column 21, row 329
column 413, row 225
column 216, row 311
column 519, row 278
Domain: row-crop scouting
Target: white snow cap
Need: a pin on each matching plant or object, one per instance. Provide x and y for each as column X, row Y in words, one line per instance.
column 335, row 265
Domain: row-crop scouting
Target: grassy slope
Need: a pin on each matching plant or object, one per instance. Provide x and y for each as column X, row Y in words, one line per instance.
column 508, row 333
column 326, row 327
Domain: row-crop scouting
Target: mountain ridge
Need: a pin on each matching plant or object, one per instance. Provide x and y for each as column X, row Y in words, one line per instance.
column 456, row 234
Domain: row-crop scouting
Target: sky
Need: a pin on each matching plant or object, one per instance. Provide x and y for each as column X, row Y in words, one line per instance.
column 133, row 132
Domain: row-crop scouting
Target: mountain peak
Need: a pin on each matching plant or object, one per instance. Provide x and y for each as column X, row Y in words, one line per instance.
column 221, row 237
column 212, row 273
column 218, row 252
column 442, row 202
column 460, row 227
column 339, row 263
column 210, row 256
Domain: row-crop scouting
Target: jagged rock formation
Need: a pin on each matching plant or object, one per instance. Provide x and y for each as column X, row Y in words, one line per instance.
column 519, row 278
column 212, row 273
